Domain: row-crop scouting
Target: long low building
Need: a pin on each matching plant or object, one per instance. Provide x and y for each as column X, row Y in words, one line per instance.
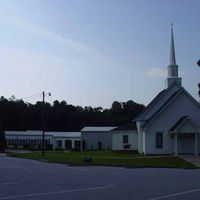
column 32, row 139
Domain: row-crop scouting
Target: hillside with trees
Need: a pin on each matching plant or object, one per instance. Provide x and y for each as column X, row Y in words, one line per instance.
column 60, row 116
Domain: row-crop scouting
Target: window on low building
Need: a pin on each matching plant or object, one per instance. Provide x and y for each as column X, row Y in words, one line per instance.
column 159, row 140
column 125, row 139
column 99, row 145
column 77, row 144
column 59, row 143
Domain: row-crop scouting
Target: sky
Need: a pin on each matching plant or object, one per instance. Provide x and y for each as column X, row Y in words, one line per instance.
column 93, row 52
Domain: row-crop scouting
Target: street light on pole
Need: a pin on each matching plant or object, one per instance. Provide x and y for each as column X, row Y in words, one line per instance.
column 43, row 120
column 198, row 63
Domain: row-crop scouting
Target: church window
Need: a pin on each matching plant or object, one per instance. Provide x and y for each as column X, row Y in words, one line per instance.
column 125, row 139
column 59, row 143
column 159, row 140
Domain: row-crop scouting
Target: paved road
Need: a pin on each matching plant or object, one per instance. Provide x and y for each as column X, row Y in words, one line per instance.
column 28, row 179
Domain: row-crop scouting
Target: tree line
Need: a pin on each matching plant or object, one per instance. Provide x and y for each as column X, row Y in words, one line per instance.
column 60, row 116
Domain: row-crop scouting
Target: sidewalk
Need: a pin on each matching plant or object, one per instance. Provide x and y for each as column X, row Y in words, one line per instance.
column 195, row 160
column 17, row 151
column 3, row 154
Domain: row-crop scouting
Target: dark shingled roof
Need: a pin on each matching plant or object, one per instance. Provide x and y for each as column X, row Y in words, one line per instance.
column 130, row 126
column 180, row 121
column 166, row 102
column 150, row 104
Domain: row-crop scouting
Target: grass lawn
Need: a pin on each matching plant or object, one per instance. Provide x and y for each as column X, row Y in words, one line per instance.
column 109, row 158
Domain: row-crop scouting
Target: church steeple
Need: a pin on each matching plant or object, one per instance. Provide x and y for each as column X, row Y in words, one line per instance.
column 172, row 67
column 172, row 57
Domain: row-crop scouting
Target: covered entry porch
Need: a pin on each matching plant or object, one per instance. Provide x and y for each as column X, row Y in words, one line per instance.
column 186, row 143
column 185, row 134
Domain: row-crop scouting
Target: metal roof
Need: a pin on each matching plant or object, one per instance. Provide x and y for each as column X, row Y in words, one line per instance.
column 65, row 134
column 97, row 128
column 47, row 133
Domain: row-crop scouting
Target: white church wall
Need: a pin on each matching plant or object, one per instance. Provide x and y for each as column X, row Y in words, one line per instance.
column 117, row 140
column 168, row 142
column 181, row 106
column 140, row 136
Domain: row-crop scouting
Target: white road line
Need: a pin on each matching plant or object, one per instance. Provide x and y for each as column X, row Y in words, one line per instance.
column 58, row 192
column 176, row 194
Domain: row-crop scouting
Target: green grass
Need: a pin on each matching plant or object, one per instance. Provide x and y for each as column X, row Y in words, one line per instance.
column 109, row 158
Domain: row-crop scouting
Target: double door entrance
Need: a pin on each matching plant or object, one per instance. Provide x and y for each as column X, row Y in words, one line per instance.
column 186, row 144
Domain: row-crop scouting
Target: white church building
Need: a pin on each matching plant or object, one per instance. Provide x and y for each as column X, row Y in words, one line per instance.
column 170, row 124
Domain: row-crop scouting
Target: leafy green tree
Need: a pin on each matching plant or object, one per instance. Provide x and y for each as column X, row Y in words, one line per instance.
column 19, row 115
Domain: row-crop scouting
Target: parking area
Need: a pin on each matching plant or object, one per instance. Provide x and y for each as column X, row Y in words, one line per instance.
column 34, row 180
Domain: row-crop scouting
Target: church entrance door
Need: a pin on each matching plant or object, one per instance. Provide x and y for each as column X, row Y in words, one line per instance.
column 186, row 144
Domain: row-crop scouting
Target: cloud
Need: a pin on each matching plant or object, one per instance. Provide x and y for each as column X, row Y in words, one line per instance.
column 47, row 34
column 156, row 72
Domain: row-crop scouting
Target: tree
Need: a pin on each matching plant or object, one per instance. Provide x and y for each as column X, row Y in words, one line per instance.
column 116, row 107
column 17, row 115
column 2, row 141
column 198, row 63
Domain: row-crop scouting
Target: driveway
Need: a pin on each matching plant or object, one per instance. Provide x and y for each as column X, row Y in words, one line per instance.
column 33, row 180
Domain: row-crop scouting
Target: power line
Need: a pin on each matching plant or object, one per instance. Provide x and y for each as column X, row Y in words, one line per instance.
column 33, row 96
column 50, row 99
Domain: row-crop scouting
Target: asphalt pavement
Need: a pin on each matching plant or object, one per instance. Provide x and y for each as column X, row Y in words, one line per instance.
column 34, row 180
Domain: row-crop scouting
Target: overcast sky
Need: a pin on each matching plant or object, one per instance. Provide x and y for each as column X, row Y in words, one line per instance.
column 92, row 52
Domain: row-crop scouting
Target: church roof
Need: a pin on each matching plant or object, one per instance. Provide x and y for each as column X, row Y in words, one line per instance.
column 148, row 107
column 157, row 102
column 162, row 106
column 178, row 123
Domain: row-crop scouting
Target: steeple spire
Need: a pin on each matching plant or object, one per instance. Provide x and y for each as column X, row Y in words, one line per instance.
column 172, row 57
column 172, row 67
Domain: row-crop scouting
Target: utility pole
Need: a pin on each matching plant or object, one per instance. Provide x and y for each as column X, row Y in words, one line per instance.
column 43, row 122
column 198, row 63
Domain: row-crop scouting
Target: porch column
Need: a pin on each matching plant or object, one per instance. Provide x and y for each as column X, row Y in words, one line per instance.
column 144, row 143
column 175, row 145
column 73, row 143
column 196, row 145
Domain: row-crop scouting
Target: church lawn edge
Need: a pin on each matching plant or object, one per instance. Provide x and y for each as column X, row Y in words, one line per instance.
column 99, row 159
